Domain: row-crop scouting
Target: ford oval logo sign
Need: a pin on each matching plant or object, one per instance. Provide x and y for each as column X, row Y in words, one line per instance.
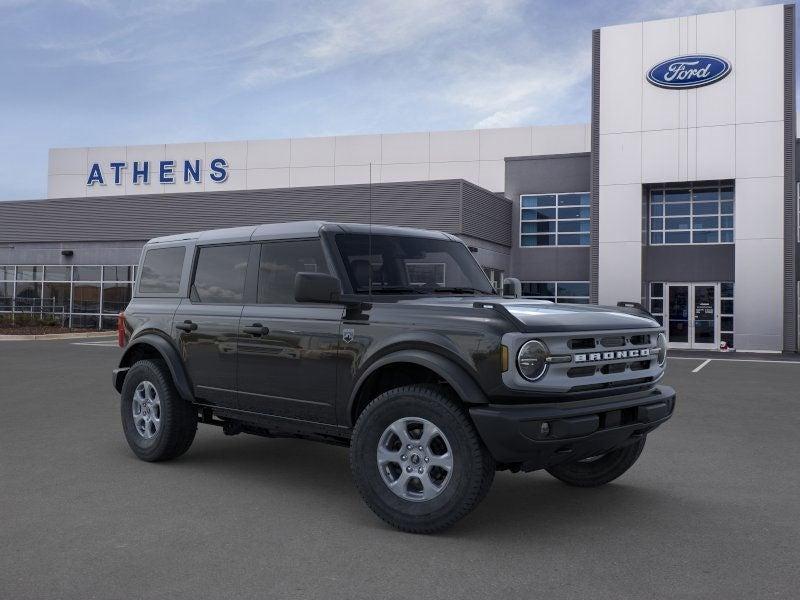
column 683, row 72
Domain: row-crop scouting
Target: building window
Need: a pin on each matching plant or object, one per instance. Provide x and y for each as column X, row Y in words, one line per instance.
column 657, row 301
column 496, row 277
column 554, row 220
column 77, row 296
column 426, row 273
column 696, row 215
column 575, row 292
column 726, row 312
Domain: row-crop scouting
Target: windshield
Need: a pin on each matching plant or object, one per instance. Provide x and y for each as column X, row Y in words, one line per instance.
column 397, row 264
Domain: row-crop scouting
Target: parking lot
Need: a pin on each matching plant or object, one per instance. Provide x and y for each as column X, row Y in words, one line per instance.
column 711, row 510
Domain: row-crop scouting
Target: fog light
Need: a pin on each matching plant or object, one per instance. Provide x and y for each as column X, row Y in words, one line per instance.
column 545, row 428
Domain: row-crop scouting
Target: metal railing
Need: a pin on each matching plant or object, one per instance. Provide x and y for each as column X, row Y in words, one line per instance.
column 41, row 307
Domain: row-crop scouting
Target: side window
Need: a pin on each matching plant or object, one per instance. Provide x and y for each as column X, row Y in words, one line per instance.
column 220, row 274
column 280, row 262
column 161, row 270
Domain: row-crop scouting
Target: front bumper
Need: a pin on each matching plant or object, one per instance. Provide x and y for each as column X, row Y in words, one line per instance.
column 536, row 436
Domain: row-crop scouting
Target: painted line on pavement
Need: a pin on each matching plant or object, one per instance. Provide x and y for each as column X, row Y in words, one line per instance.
column 752, row 360
column 701, row 365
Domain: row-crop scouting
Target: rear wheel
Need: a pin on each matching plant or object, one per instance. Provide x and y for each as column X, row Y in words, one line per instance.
column 601, row 469
column 158, row 423
column 417, row 460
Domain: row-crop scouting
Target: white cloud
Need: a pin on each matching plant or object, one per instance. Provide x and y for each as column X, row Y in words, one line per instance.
column 326, row 39
column 681, row 8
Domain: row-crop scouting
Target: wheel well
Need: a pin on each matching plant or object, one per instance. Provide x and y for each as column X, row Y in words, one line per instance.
column 140, row 352
column 393, row 376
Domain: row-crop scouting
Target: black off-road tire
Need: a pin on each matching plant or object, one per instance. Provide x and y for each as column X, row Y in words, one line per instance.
column 178, row 418
column 473, row 467
column 600, row 471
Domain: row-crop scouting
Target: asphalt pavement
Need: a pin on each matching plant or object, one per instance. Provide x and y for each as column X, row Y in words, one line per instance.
column 711, row 510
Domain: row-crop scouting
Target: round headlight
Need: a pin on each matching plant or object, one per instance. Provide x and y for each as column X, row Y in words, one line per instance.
column 662, row 349
column 532, row 360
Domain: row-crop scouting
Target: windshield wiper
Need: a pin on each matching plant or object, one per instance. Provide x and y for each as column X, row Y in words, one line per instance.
column 390, row 289
column 462, row 290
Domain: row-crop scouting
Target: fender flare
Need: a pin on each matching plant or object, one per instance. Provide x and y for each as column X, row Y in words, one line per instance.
column 170, row 355
column 462, row 383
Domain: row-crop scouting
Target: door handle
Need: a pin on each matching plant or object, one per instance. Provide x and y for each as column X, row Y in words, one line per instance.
column 256, row 329
column 187, row 326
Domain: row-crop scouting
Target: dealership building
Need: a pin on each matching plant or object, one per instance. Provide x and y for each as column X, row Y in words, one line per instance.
column 681, row 192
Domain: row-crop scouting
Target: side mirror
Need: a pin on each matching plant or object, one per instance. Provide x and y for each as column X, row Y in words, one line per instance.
column 512, row 287
column 317, row 287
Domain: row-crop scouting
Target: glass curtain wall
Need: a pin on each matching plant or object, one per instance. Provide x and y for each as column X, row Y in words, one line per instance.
column 79, row 296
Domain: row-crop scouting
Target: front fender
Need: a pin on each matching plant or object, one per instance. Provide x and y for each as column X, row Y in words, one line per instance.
column 166, row 351
column 461, row 381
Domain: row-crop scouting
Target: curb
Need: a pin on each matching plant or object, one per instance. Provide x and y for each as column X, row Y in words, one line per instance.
column 56, row 336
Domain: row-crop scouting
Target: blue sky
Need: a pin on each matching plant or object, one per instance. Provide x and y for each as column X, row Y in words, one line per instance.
column 99, row 73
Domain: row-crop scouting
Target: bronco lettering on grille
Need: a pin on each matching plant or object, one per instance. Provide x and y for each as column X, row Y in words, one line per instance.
column 616, row 355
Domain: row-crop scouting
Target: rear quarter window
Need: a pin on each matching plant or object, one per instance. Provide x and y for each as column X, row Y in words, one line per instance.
column 161, row 270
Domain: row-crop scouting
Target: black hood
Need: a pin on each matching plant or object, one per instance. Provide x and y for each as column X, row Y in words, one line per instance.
column 541, row 316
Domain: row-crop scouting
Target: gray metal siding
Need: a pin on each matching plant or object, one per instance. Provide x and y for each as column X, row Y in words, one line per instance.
column 425, row 204
column 789, row 182
column 542, row 175
column 84, row 253
column 485, row 215
column 594, row 225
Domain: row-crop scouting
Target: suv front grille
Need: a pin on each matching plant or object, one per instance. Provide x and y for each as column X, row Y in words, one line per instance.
column 581, row 344
column 613, row 342
column 603, row 360
column 591, row 360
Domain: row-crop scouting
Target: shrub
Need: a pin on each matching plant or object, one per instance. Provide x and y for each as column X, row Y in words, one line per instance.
column 28, row 320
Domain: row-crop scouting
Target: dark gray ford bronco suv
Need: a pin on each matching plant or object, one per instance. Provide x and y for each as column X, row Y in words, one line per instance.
column 393, row 342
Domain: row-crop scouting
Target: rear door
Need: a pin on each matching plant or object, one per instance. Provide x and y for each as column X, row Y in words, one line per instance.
column 288, row 351
column 207, row 323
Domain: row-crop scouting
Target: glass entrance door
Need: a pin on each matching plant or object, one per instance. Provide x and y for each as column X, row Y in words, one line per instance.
column 692, row 315
column 704, row 328
column 678, row 322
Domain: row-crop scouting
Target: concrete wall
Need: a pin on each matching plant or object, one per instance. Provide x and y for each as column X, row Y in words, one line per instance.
column 474, row 155
column 732, row 129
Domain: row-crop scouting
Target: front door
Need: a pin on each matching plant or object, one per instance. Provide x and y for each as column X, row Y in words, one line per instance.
column 692, row 315
column 288, row 352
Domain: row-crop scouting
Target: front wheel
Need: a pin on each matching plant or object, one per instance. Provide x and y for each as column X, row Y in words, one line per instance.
column 418, row 461
column 599, row 470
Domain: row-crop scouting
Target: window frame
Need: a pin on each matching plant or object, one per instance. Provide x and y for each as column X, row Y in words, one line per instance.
column 555, row 220
column 193, row 273
column 691, row 189
column 188, row 250
column 555, row 297
column 255, row 264
column 68, row 315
